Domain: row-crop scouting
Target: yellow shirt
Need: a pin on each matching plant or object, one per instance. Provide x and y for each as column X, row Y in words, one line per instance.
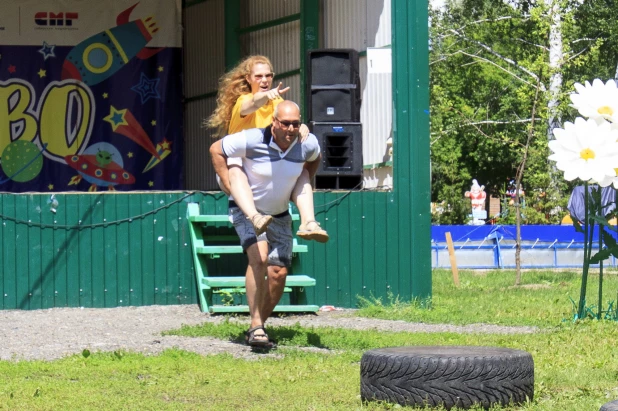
column 260, row 118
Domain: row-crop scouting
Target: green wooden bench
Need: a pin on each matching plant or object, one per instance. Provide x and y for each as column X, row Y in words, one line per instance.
column 211, row 245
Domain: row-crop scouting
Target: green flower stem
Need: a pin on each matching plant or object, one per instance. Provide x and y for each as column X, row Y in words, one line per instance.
column 601, row 231
column 588, row 231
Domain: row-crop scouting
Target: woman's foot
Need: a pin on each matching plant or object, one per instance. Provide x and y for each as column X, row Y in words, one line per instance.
column 260, row 222
column 312, row 231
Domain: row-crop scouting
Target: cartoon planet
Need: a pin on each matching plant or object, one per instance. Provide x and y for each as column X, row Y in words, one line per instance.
column 100, row 165
column 100, row 56
column 21, row 161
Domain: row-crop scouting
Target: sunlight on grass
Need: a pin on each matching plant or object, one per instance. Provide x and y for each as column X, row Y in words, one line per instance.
column 490, row 297
column 576, row 363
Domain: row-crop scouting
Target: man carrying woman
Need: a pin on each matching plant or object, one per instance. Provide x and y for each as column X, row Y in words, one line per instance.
column 246, row 100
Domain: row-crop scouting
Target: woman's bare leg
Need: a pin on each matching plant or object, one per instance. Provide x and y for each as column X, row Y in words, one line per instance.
column 302, row 196
column 243, row 197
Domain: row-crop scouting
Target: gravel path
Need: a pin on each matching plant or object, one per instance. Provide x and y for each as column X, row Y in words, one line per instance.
column 58, row 332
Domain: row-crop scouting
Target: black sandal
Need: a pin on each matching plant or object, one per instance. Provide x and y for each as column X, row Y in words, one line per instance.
column 262, row 342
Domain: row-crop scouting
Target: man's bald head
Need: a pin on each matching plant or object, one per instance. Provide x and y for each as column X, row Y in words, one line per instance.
column 287, row 108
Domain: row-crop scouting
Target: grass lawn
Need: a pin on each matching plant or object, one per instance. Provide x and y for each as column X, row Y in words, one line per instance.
column 576, row 364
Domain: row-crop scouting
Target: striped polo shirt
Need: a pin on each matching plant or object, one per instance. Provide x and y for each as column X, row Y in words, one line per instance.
column 272, row 173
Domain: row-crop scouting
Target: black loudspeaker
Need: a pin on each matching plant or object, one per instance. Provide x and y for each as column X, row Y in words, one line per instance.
column 333, row 92
column 342, row 155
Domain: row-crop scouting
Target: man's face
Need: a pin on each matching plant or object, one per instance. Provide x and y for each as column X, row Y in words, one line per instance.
column 261, row 78
column 286, row 126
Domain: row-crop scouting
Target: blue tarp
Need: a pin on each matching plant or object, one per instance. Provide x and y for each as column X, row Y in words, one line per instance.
column 550, row 233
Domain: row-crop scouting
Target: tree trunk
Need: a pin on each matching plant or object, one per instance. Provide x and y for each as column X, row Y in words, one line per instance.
column 555, row 84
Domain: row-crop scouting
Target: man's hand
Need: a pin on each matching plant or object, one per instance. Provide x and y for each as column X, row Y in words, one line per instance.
column 303, row 133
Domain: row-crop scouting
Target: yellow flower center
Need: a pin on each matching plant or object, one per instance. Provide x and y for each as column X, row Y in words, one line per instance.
column 587, row 154
column 605, row 110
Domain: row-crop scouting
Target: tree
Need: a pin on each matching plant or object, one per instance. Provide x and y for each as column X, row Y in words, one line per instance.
column 485, row 56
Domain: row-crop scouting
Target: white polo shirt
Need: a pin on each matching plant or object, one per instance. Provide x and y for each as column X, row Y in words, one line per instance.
column 272, row 173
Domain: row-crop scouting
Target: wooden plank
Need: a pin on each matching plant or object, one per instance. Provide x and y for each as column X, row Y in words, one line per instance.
column 110, row 251
column 236, row 249
column 451, row 255
column 148, row 245
column 241, row 290
column 71, row 204
column 136, row 290
column 86, row 250
column 291, row 281
column 195, row 233
column 8, row 254
column 123, row 260
column 220, row 218
column 278, row 309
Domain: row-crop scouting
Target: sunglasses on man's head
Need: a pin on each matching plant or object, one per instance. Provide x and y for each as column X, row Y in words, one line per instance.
column 287, row 124
column 261, row 76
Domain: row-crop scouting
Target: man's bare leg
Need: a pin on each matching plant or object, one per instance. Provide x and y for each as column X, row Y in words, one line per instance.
column 256, row 285
column 276, row 284
column 243, row 197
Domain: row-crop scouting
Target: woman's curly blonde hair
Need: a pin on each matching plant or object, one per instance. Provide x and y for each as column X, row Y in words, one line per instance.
column 232, row 85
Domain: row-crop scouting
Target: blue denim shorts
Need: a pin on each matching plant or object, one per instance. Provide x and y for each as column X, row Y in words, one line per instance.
column 278, row 234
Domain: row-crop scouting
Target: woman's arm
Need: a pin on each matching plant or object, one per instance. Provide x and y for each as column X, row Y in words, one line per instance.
column 260, row 98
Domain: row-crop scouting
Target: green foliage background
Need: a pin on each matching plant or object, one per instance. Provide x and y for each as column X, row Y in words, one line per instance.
column 486, row 59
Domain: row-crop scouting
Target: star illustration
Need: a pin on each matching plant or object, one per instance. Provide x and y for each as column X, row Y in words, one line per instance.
column 165, row 145
column 130, row 154
column 147, row 88
column 51, row 186
column 42, row 73
column 105, row 95
column 153, row 122
column 12, row 69
column 160, row 68
column 116, row 118
column 151, row 183
column 47, row 51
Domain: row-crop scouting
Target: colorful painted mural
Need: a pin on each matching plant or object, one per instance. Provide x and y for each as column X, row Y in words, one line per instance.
column 90, row 95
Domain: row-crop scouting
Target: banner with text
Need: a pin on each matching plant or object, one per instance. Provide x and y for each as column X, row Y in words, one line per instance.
column 90, row 95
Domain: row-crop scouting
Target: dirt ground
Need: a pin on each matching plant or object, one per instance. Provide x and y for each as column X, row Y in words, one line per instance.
column 58, row 332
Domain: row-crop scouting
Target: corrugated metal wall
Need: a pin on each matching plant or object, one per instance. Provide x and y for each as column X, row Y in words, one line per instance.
column 115, row 249
column 97, row 250
column 280, row 43
column 204, row 62
column 133, row 249
column 363, row 25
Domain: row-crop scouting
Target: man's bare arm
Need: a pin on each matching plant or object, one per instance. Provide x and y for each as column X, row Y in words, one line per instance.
column 219, row 162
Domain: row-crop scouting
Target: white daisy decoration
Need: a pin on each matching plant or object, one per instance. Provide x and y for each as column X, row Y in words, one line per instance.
column 597, row 101
column 586, row 150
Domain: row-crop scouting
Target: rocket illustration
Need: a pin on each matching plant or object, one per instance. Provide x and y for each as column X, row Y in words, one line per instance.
column 100, row 56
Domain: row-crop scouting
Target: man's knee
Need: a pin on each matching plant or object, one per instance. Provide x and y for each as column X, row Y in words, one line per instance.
column 257, row 260
column 277, row 273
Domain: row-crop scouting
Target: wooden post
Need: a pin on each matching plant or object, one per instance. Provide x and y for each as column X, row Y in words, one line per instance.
column 451, row 255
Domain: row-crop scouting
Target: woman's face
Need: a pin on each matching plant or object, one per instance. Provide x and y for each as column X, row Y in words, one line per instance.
column 261, row 78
